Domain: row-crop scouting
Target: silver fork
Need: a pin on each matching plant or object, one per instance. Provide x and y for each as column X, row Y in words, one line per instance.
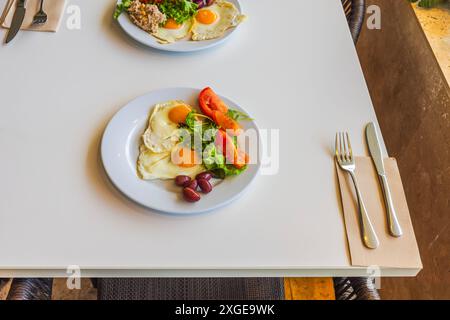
column 345, row 159
column 41, row 16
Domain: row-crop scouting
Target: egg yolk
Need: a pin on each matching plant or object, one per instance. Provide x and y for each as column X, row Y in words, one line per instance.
column 185, row 158
column 172, row 24
column 179, row 113
column 206, row 16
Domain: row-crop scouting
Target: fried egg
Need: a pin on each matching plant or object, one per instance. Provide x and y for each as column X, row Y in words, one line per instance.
column 168, row 165
column 162, row 133
column 212, row 22
column 172, row 31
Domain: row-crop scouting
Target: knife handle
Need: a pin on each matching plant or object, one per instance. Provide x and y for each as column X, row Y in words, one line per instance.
column 394, row 225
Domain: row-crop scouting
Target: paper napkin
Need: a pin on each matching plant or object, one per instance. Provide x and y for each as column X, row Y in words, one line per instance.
column 53, row 8
column 392, row 252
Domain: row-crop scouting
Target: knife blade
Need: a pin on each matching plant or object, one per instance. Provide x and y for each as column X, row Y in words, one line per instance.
column 17, row 20
column 375, row 151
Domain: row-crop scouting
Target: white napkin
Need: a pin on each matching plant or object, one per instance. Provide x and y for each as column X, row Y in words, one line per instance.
column 53, row 8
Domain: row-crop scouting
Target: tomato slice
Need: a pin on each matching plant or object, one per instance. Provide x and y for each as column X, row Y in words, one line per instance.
column 225, row 145
column 233, row 155
column 241, row 158
column 209, row 101
column 225, row 122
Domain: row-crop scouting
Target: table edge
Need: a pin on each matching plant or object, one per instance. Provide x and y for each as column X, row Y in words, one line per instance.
column 201, row 273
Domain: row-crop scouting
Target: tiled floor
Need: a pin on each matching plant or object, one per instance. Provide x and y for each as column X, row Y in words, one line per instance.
column 4, row 287
column 61, row 292
column 436, row 24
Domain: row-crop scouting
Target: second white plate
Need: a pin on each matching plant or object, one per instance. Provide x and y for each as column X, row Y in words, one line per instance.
column 183, row 45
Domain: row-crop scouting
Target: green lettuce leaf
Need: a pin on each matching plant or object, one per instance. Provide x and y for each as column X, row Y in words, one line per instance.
column 122, row 7
column 238, row 116
column 179, row 10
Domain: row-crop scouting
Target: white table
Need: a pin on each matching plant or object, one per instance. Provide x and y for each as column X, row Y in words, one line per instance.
column 296, row 70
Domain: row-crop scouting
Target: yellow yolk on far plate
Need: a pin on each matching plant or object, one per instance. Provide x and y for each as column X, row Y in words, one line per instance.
column 172, row 24
column 213, row 21
column 171, row 31
column 206, row 16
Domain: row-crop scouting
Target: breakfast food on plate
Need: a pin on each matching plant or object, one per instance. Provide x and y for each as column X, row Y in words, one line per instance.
column 172, row 20
column 171, row 31
column 211, row 22
column 165, row 165
column 146, row 16
column 162, row 133
column 192, row 146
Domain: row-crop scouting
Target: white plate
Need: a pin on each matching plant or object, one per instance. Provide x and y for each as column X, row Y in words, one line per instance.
column 183, row 45
column 120, row 150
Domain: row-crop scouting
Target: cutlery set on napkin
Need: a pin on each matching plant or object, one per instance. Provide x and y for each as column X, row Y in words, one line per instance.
column 377, row 221
column 35, row 15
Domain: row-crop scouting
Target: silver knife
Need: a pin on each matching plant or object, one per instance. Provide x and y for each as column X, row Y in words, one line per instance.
column 17, row 20
column 375, row 151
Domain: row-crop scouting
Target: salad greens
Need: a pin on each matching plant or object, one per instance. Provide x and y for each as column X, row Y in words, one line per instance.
column 198, row 131
column 205, row 131
column 179, row 10
column 122, row 7
column 238, row 116
column 215, row 162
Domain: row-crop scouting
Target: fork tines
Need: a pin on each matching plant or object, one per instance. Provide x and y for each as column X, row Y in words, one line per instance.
column 343, row 147
column 40, row 19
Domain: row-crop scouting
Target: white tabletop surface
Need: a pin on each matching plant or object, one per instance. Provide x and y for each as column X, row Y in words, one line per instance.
column 294, row 70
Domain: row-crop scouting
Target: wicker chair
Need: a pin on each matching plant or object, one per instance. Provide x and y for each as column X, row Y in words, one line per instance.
column 235, row 288
column 232, row 288
column 30, row 289
column 355, row 12
column 221, row 289
column 355, row 289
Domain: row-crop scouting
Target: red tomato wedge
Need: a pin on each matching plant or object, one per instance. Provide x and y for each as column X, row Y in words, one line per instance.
column 233, row 155
column 226, row 123
column 209, row 101
column 241, row 158
column 225, row 145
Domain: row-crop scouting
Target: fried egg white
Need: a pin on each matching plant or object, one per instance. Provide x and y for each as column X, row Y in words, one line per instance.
column 166, row 165
column 171, row 31
column 162, row 133
column 212, row 22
